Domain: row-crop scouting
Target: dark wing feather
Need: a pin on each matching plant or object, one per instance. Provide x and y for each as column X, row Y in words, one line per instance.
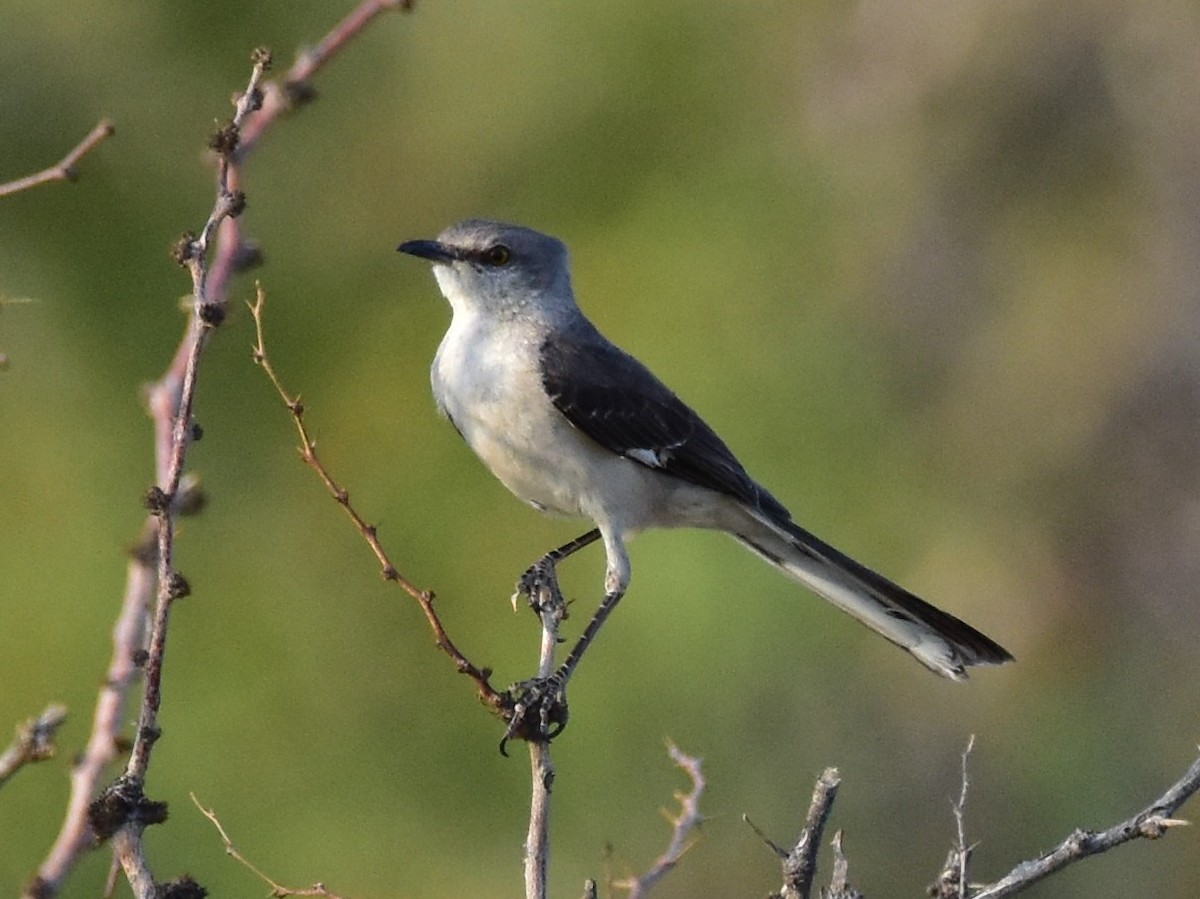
column 620, row 404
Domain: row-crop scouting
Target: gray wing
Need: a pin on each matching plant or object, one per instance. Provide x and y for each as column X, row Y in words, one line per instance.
column 620, row 404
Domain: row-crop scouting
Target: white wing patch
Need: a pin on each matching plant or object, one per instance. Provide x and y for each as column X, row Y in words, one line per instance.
column 648, row 457
column 655, row 458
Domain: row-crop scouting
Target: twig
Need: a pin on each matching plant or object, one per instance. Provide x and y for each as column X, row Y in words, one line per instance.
column 1150, row 823
column 34, row 741
column 800, row 867
column 839, row 883
column 308, row 452
column 279, row 97
column 64, row 170
column 800, row 864
column 75, row 836
column 169, row 402
column 552, row 609
column 682, row 824
column 295, row 89
column 161, row 501
column 964, row 851
column 951, row 883
column 277, row 890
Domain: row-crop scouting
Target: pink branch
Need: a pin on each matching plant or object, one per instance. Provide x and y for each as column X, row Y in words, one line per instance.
column 170, row 404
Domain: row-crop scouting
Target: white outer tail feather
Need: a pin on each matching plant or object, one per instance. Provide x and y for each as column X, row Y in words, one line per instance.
column 886, row 608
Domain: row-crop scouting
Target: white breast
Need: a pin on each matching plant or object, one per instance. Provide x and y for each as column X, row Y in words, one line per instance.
column 486, row 379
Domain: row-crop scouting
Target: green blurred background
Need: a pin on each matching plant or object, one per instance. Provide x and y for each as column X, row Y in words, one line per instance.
column 930, row 268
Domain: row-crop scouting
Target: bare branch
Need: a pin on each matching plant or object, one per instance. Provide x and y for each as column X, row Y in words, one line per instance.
column 311, row 61
column 170, row 403
column 771, row 844
column 277, row 890
column 64, row 170
column 552, row 609
column 34, row 741
column 308, row 452
column 951, row 883
column 1150, row 823
column 839, row 885
column 549, row 603
column 104, row 743
column 682, row 825
column 800, row 864
column 960, row 826
column 176, row 434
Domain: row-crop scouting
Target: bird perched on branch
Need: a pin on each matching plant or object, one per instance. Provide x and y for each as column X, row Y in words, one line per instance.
column 575, row 426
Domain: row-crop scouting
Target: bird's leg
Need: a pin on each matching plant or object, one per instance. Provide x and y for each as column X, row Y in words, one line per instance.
column 537, row 707
column 539, row 583
column 564, row 672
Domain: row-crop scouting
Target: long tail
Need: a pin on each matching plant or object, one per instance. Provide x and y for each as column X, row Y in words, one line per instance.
column 937, row 639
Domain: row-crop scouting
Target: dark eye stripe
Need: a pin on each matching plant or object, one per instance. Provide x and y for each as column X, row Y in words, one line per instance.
column 498, row 254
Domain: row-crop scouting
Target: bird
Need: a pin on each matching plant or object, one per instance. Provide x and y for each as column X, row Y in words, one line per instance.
column 575, row 426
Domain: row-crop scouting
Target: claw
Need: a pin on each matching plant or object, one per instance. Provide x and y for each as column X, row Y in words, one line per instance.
column 538, row 712
column 539, row 585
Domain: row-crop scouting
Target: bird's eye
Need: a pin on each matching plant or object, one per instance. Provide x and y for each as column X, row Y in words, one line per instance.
column 497, row 255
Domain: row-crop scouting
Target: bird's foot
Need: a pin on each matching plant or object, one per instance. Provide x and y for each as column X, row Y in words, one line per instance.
column 539, row 586
column 536, row 710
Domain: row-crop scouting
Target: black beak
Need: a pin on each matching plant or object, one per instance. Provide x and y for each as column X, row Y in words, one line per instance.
column 429, row 249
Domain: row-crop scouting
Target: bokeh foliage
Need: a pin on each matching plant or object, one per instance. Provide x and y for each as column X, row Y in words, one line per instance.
column 931, row 269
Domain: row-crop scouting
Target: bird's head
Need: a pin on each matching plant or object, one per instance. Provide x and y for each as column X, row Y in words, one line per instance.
column 492, row 268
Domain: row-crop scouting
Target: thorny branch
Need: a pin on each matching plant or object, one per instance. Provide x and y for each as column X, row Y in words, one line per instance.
column 64, row 170
column 308, row 452
column 170, row 402
column 800, row 863
column 952, row 882
column 1150, row 823
column 682, row 825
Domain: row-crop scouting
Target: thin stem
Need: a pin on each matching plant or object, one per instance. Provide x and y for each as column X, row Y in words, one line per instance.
column 176, row 428
column 308, row 452
column 278, row 890
column 64, row 170
column 682, row 825
column 1150, row 823
column 552, row 609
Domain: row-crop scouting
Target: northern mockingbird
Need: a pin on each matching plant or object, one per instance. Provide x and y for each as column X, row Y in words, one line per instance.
column 575, row 426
